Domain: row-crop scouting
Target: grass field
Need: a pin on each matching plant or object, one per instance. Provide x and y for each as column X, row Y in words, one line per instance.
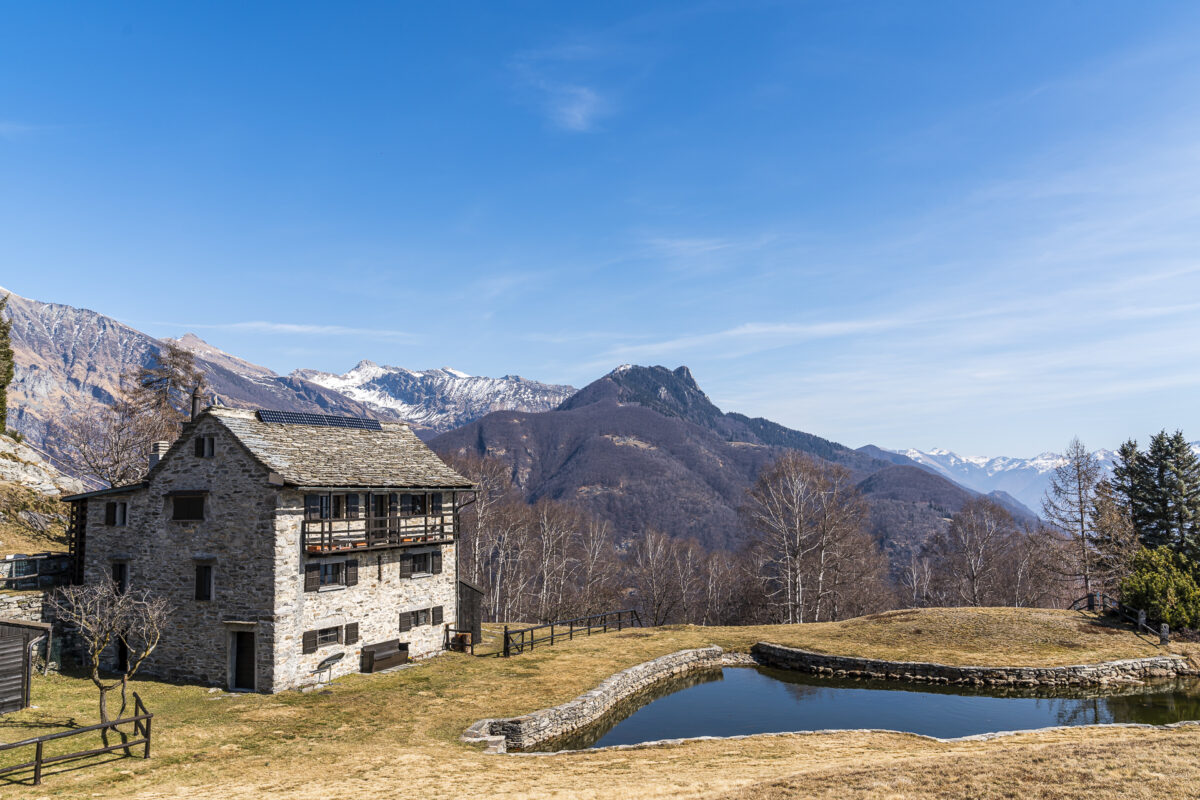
column 398, row 733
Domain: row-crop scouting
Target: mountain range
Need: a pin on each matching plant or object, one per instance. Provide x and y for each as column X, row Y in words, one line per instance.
column 71, row 359
column 1026, row 479
column 644, row 447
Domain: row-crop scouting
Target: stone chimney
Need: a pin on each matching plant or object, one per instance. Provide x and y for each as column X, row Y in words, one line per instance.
column 157, row 451
column 195, row 402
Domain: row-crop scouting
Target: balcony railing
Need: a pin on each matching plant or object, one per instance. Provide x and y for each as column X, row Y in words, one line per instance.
column 373, row 533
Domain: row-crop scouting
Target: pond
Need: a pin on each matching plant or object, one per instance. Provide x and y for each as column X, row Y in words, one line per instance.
column 746, row 700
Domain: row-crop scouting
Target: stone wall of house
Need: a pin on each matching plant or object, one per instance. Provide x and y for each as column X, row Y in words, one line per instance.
column 236, row 537
column 375, row 602
column 25, row 606
column 550, row 723
column 1078, row 675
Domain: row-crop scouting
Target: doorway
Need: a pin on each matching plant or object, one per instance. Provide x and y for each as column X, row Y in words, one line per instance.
column 243, row 661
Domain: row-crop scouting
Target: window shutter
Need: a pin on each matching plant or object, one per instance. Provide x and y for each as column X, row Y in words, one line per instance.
column 351, row 573
column 406, row 565
column 110, row 513
column 438, row 613
column 310, row 642
column 312, row 577
column 406, row 621
column 312, row 506
column 435, row 561
column 199, row 443
column 352, row 633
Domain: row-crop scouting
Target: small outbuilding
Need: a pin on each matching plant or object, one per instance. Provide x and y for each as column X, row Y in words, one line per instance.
column 17, row 639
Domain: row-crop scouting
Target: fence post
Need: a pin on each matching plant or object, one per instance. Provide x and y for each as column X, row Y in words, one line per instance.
column 37, row 765
column 551, row 633
column 1091, row 600
column 571, row 635
column 506, row 641
column 1141, row 619
column 146, row 752
column 1164, row 634
column 619, row 622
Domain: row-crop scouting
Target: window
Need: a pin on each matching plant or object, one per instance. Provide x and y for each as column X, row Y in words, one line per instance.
column 329, row 636
column 311, row 641
column 320, row 575
column 205, row 446
column 420, row 563
column 120, row 576
column 204, row 582
column 333, row 573
column 421, row 617
column 116, row 513
column 435, row 503
column 188, row 507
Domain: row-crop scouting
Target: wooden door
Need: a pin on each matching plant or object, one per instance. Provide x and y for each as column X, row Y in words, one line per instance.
column 243, row 661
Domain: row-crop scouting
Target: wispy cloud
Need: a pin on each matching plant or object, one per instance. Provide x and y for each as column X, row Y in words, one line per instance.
column 298, row 329
column 555, row 76
column 14, row 130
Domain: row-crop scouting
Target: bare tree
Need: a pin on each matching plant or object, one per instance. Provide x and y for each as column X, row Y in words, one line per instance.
column 103, row 616
column 805, row 512
column 110, row 444
column 479, row 519
column 1115, row 537
column 650, row 573
column 162, row 389
column 972, row 549
column 1068, row 504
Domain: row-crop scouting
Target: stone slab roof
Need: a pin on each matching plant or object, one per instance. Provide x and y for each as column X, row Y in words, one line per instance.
column 311, row 455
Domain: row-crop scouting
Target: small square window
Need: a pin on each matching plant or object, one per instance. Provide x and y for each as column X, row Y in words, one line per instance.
column 328, row 636
column 188, row 508
column 420, row 563
column 421, row 617
column 116, row 513
column 333, row 573
column 205, row 446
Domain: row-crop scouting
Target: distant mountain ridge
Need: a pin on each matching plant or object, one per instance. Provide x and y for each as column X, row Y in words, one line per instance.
column 439, row 399
column 645, row 447
column 1026, row 479
column 71, row 359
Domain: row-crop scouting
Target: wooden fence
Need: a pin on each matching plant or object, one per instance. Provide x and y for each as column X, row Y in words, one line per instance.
column 525, row 638
column 141, row 728
column 1107, row 604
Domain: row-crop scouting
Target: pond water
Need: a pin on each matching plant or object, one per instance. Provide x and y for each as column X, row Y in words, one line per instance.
column 745, row 700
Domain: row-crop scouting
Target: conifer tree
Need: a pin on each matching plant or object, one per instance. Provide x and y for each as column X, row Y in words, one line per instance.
column 162, row 389
column 1162, row 486
column 1068, row 504
column 6, row 363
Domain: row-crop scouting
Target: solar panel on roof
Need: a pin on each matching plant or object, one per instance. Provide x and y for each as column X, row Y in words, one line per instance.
column 319, row 420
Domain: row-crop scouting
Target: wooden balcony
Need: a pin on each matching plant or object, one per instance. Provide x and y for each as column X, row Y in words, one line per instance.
column 375, row 533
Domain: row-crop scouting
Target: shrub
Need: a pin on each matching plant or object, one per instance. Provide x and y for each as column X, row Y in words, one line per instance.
column 1163, row 583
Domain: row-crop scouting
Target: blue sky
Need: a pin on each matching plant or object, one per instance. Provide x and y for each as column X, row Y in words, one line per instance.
column 965, row 225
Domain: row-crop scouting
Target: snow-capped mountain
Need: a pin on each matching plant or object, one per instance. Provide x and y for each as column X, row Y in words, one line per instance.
column 1026, row 479
column 438, row 398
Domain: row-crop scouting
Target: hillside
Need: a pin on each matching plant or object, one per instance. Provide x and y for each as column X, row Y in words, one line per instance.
column 31, row 517
column 645, row 447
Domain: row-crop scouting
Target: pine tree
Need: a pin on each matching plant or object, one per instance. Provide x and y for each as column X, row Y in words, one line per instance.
column 6, row 364
column 1162, row 486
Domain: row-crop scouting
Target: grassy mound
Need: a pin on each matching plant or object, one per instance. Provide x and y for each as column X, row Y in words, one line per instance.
column 399, row 732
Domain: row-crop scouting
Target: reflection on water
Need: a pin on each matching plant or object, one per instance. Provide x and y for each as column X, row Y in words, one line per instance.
column 745, row 700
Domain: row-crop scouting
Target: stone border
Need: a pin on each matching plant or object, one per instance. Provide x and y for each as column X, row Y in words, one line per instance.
column 497, row 735
column 1132, row 669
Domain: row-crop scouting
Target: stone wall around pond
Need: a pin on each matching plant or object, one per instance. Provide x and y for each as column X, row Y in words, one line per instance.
column 550, row 723
column 1133, row 669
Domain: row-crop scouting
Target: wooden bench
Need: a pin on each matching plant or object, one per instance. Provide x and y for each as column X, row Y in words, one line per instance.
column 380, row 656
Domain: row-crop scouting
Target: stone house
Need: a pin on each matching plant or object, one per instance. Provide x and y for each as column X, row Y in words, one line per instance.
column 289, row 545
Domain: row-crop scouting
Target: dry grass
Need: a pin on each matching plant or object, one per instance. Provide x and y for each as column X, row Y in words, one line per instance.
column 18, row 537
column 398, row 733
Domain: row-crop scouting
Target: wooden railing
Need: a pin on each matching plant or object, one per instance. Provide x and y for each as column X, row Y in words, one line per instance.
column 36, row 571
column 325, row 535
column 525, row 638
column 1098, row 601
column 141, row 728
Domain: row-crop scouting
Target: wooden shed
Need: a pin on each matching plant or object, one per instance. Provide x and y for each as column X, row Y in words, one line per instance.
column 16, row 660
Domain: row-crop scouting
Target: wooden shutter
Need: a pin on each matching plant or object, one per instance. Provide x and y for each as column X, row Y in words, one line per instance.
column 438, row 613
column 312, row 577
column 352, row 633
column 312, row 506
column 110, row 513
column 199, row 443
column 351, row 573
column 406, row 565
column 435, row 561
column 406, row 621
column 310, row 642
